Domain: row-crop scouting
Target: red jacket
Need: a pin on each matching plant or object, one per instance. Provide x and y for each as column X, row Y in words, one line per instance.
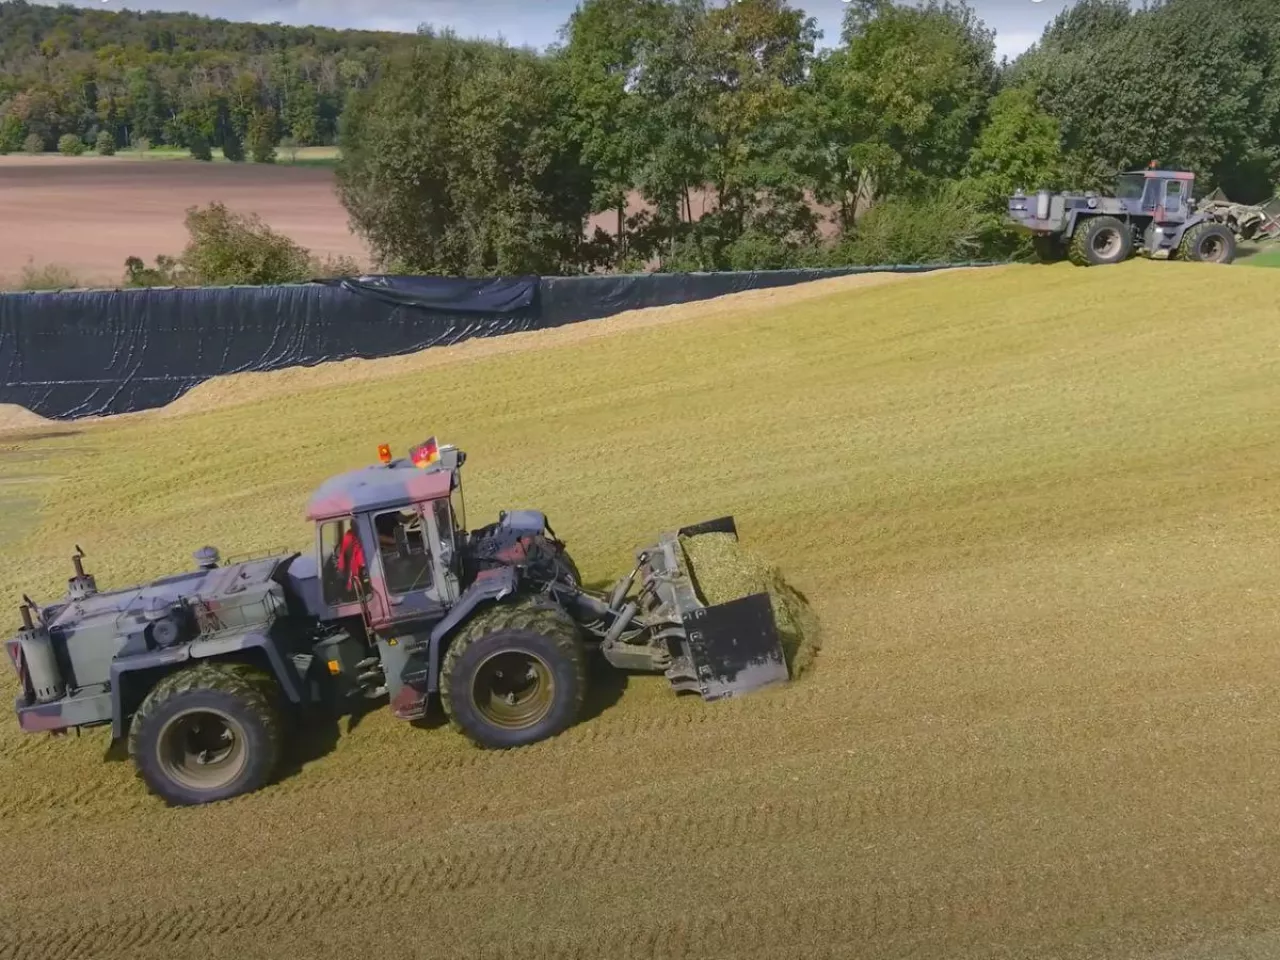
column 350, row 558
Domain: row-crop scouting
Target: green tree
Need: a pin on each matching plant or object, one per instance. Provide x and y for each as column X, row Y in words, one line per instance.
column 105, row 144
column 232, row 147
column 905, row 98
column 70, row 145
column 12, row 132
column 457, row 161
column 602, row 60
column 1018, row 149
column 264, row 135
column 301, row 114
column 756, row 55
column 1201, row 95
column 676, row 155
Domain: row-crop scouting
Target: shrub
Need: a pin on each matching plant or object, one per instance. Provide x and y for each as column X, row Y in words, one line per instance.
column 70, row 145
column 200, row 148
column 233, row 248
column 232, row 147
column 142, row 144
column 229, row 249
column 48, row 277
column 34, row 143
column 290, row 148
column 941, row 226
column 105, row 144
column 166, row 273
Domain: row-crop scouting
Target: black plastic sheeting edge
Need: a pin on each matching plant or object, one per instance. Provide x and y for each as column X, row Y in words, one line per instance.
column 82, row 353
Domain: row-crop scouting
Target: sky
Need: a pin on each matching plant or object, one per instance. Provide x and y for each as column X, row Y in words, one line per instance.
column 1018, row 23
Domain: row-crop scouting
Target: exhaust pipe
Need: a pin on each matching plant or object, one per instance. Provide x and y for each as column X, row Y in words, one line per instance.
column 41, row 663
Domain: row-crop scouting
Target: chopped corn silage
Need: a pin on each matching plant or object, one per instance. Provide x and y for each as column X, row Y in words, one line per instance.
column 723, row 570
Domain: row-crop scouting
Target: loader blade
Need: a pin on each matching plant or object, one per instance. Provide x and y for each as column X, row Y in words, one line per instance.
column 726, row 649
column 734, row 647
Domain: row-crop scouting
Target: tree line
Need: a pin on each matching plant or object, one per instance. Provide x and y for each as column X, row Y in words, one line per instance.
column 476, row 158
column 750, row 147
column 116, row 80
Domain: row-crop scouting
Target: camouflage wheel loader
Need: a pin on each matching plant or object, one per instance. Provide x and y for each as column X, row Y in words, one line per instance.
column 199, row 672
column 1152, row 213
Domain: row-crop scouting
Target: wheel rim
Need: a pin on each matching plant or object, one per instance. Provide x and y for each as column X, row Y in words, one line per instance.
column 1212, row 248
column 202, row 749
column 1106, row 243
column 513, row 689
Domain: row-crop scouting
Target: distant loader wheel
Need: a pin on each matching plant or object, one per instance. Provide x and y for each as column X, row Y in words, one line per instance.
column 207, row 733
column 1099, row 241
column 1208, row 243
column 515, row 675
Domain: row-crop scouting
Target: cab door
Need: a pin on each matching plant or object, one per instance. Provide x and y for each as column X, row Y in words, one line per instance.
column 1173, row 202
column 341, row 591
column 405, row 554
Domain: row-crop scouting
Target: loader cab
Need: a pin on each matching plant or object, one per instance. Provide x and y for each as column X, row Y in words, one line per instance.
column 1163, row 195
column 388, row 541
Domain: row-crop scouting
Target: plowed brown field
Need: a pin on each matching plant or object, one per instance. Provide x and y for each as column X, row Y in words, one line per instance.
column 90, row 213
column 1038, row 523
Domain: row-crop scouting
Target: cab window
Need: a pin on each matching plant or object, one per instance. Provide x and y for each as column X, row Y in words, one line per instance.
column 402, row 544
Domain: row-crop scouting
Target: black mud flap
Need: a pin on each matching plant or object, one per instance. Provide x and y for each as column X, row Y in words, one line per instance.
column 735, row 647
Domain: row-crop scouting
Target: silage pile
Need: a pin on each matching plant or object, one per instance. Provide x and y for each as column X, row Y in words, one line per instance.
column 724, row 570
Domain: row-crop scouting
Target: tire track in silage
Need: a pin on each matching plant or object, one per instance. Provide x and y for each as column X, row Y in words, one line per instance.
column 608, row 850
column 122, row 795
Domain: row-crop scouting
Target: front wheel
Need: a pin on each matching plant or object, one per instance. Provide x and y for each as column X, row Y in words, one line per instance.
column 515, row 675
column 207, row 733
column 1100, row 240
column 1208, row 243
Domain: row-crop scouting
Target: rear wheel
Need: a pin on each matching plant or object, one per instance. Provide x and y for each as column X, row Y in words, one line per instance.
column 1208, row 243
column 207, row 733
column 515, row 675
column 1099, row 241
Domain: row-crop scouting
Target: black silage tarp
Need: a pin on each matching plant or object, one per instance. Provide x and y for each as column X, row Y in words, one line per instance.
column 570, row 299
column 94, row 353
column 91, row 353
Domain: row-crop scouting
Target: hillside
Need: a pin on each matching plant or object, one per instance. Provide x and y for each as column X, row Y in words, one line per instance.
column 1038, row 527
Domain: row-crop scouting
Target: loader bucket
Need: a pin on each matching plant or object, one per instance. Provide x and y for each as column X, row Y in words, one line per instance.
column 718, row 650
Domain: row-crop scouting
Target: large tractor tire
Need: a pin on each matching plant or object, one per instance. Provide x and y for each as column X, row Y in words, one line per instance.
column 1100, row 241
column 207, row 733
column 516, row 674
column 1208, row 243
